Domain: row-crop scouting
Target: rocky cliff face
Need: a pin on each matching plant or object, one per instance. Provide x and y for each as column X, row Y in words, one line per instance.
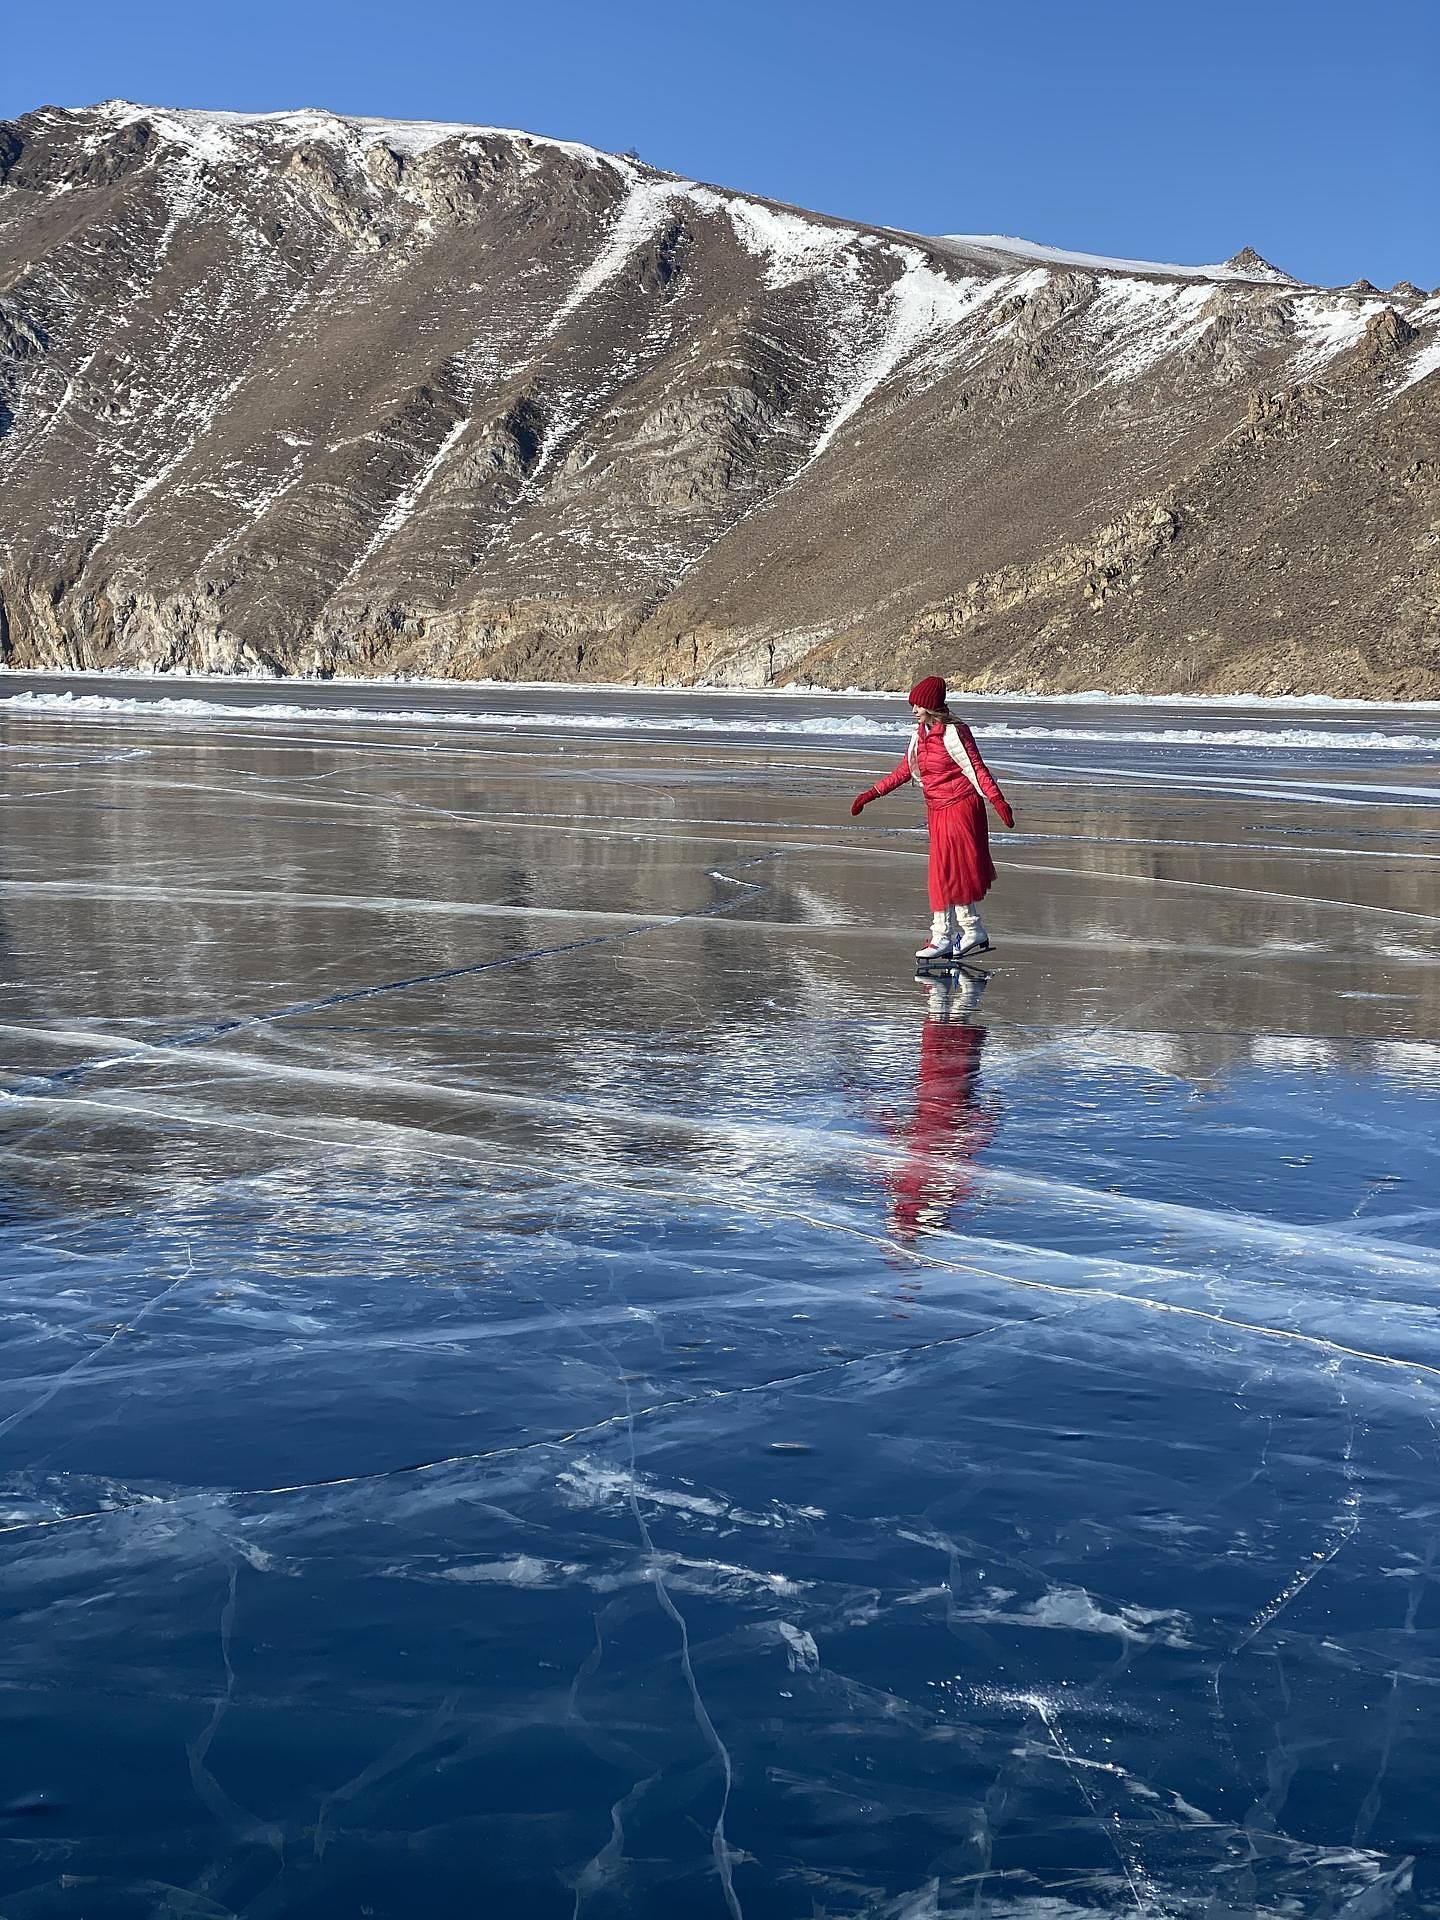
column 299, row 394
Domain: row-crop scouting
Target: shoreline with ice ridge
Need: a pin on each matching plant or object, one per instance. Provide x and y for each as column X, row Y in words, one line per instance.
column 772, row 716
column 1092, row 697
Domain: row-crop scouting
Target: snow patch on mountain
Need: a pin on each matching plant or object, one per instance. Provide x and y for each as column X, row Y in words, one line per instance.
column 1138, row 322
column 792, row 247
column 219, row 136
column 1426, row 362
column 1325, row 328
column 922, row 306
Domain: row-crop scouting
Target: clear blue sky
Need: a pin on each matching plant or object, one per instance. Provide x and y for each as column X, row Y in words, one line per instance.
column 1306, row 128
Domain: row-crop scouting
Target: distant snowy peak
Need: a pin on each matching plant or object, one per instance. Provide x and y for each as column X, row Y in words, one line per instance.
column 1245, row 265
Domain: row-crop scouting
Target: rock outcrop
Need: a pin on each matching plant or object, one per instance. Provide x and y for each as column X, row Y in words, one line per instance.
column 304, row 395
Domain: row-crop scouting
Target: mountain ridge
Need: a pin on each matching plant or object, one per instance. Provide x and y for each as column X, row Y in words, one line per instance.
column 305, row 393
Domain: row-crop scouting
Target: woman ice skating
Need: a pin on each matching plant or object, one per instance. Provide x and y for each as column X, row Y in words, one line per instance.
column 956, row 783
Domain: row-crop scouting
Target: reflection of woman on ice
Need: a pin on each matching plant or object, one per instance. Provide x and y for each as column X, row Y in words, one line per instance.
column 951, row 1125
column 956, row 783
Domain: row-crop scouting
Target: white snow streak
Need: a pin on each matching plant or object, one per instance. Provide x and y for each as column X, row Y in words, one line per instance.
column 1108, row 263
column 405, row 502
column 256, row 506
column 922, row 305
column 1426, row 362
column 640, row 215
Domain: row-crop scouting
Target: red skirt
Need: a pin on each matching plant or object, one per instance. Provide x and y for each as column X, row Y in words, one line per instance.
column 961, row 869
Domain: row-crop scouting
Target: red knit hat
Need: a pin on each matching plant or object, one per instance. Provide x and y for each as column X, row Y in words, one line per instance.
column 928, row 693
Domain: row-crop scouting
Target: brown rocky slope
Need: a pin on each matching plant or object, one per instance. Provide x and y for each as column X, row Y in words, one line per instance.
column 301, row 394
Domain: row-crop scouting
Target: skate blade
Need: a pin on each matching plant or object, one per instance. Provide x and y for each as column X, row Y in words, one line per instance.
column 971, row 964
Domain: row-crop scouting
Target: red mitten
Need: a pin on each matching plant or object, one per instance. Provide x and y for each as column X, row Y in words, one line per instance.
column 1006, row 812
column 857, row 805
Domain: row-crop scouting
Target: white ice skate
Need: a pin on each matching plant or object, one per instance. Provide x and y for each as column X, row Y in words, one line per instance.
column 938, row 947
column 970, row 935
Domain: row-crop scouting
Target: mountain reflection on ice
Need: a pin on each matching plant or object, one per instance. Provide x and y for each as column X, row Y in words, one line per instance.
column 543, row 1374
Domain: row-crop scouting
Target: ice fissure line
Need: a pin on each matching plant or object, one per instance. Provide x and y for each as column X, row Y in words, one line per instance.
column 44, row 1398
column 1352, row 1248
column 347, row 996
column 611, row 1422
column 1317, row 1342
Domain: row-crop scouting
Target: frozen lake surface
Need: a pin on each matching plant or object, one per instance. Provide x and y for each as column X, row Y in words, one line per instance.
column 544, row 1375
